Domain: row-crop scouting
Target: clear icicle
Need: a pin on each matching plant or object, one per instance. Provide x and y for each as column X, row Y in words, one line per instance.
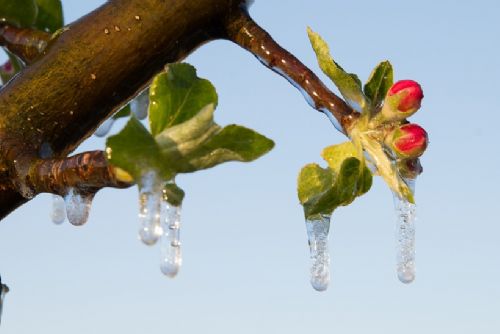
column 405, row 236
column 58, row 214
column 3, row 291
column 105, row 127
column 78, row 206
column 150, row 197
column 140, row 104
column 171, row 256
column 317, row 233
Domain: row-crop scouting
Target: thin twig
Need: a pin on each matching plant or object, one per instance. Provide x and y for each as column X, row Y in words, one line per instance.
column 242, row 30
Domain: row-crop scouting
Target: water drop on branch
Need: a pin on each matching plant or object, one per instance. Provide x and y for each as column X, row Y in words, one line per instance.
column 78, row 206
column 58, row 214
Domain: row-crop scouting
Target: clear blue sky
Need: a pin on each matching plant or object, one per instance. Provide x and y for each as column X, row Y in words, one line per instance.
column 245, row 253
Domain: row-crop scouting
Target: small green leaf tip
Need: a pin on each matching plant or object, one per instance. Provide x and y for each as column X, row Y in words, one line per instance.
column 348, row 84
column 379, row 83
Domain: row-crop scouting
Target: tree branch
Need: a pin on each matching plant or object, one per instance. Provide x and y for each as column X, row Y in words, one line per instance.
column 242, row 30
column 97, row 64
column 88, row 171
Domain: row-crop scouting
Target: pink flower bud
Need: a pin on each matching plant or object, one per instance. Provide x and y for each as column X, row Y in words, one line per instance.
column 402, row 100
column 408, row 141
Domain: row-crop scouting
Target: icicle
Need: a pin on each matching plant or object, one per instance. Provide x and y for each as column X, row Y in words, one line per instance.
column 405, row 236
column 104, row 128
column 58, row 210
column 3, row 291
column 78, row 206
column 140, row 104
column 317, row 233
column 171, row 257
column 150, row 195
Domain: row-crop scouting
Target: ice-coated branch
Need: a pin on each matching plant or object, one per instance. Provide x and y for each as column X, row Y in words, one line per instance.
column 27, row 44
column 245, row 32
column 88, row 171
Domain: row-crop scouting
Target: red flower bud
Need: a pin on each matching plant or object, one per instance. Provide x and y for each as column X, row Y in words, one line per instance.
column 402, row 100
column 408, row 141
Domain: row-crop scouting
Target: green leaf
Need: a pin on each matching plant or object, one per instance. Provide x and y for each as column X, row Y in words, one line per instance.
column 379, row 82
column 19, row 12
column 321, row 190
column 50, row 15
column 177, row 95
column 199, row 143
column 232, row 143
column 136, row 151
column 173, row 194
column 348, row 84
column 336, row 154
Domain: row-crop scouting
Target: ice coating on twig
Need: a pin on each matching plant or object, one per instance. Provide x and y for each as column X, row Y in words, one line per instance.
column 58, row 214
column 78, row 206
column 150, row 198
column 139, row 105
column 317, row 233
column 171, row 256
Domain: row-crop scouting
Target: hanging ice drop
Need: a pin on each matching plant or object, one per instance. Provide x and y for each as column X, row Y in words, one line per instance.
column 150, row 195
column 171, row 256
column 104, row 128
column 140, row 104
column 58, row 214
column 405, row 236
column 317, row 233
column 78, row 206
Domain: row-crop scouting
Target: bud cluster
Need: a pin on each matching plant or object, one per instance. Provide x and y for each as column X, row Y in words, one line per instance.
column 406, row 140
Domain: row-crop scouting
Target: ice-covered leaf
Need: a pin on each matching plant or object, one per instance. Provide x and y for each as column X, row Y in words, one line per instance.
column 379, row 82
column 322, row 190
column 19, row 12
column 136, row 151
column 336, row 154
column 348, row 84
column 199, row 143
column 50, row 15
column 177, row 95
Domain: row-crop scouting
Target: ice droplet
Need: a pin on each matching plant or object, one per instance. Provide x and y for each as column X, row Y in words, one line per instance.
column 104, row 128
column 140, row 104
column 405, row 236
column 317, row 234
column 171, row 256
column 150, row 196
column 78, row 206
column 58, row 214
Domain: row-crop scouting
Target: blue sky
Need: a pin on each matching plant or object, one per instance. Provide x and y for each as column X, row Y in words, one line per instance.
column 246, row 260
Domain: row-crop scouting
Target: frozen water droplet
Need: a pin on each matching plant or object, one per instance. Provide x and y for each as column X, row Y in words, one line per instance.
column 140, row 104
column 78, row 206
column 405, row 237
column 317, row 234
column 150, row 195
column 171, row 256
column 104, row 128
column 58, row 210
